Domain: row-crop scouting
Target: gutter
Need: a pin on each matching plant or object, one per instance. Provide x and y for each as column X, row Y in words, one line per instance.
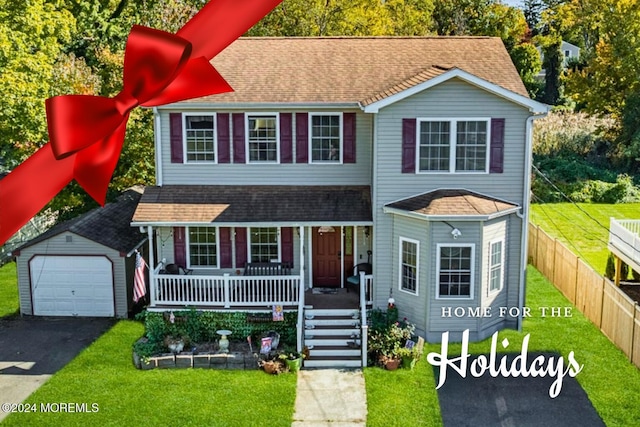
column 524, row 216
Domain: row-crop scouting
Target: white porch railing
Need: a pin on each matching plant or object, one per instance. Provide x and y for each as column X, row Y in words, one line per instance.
column 225, row 291
column 624, row 238
column 366, row 283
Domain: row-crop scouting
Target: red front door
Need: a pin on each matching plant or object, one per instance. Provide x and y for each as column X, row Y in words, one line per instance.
column 326, row 258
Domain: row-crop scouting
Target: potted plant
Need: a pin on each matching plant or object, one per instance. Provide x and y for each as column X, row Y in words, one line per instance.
column 293, row 359
column 272, row 365
column 390, row 358
column 409, row 357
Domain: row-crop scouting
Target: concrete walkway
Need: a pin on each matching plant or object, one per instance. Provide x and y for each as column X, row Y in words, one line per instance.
column 330, row 397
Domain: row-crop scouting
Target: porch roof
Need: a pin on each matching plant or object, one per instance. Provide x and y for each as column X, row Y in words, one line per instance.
column 233, row 204
column 455, row 203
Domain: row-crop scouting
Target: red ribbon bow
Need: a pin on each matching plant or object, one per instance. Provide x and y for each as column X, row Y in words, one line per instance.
column 87, row 132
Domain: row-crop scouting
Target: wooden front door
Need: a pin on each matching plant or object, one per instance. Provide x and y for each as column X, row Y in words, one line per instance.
column 326, row 258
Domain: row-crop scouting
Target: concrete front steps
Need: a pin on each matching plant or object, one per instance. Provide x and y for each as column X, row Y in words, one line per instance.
column 331, row 338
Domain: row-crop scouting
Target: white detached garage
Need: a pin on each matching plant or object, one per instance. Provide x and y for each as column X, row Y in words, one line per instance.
column 80, row 267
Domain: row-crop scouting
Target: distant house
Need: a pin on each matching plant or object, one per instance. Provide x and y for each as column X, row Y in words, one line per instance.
column 81, row 267
column 568, row 51
column 408, row 158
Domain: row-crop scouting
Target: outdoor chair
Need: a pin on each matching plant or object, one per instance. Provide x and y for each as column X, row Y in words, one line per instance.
column 176, row 269
column 366, row 267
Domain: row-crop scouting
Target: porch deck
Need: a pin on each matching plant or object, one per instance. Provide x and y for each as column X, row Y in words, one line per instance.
column 624, row 241
column 340, row 300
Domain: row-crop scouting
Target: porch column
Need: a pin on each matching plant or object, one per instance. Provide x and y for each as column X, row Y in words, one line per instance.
column 152, row 268
column 302, row 265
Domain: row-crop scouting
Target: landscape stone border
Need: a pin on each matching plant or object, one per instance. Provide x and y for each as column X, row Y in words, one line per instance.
column 187, row 359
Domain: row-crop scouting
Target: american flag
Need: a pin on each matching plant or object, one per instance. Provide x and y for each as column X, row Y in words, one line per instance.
column 139, row 287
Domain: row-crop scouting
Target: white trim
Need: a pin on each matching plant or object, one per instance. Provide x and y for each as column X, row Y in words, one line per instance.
column 188, row 249
column 246, row 137
column 248, row 224
column 417, row 243
column 427, row 217
column 342, row 237
column 533, row 106
column 310, row 137
column 245, row 106
column 501, row 265
column 453, row 142
column 279, row 242
column 472, row 272
column 310, row 254
column 157, row 134
column 184, row 138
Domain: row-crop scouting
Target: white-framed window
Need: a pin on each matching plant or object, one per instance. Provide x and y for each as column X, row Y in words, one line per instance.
column 263, row 137
column 202, row 247
column 199, row 137
column 455, row 270
column 496, row 265
column 409, row 262
column 453, row 145
column 264, row 244
column 325, row 137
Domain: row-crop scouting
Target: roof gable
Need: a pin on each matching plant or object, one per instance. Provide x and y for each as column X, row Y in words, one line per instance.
column 352, row 70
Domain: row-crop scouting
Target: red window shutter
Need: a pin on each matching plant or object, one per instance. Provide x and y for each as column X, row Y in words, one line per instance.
column 349, row 137
column 408, row 145
column 302, row 138
column 225, row 247
column 238, row 138
column 496, row 159
column 175, row 137
column 223, row 138
column 179, row 246
column 286, row 240
column 286, row 138
column 241, row 247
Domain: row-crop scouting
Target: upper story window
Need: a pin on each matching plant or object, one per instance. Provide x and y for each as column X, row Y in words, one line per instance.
column 203, row 247
column 264, row 244
column 453, row 145
column 200, row 138
column 262, row 137
column 455, row 271
column 326, row 138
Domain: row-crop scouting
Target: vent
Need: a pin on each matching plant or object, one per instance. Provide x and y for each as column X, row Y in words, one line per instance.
column 69, row 238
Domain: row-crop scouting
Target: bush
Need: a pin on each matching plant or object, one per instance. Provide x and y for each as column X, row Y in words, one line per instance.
column 386, row 335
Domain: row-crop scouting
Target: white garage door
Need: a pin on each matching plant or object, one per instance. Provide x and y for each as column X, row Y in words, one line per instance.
column 71, row 286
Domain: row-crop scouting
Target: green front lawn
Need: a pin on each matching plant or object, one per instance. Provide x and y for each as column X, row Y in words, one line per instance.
column 104, row 374
column 612, row 383
column 8, row 290
column 581, row 234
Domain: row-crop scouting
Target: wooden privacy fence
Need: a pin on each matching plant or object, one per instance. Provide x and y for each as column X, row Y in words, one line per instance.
column 599, row 299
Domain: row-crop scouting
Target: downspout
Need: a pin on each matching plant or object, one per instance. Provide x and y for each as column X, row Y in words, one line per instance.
column 157, row 131
column 152, row 268
column 524, row 215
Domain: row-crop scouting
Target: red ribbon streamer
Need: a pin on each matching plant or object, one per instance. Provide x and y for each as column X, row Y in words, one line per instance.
column 86, row 133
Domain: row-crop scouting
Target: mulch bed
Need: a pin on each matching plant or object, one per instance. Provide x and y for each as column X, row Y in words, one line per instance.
column 632, row 290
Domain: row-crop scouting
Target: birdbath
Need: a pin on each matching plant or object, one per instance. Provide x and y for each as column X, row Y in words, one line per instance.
column 224, row 342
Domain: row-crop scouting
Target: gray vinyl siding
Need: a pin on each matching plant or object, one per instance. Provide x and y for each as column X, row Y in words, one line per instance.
column 358, row 173
column 451, row 99
column 411, row 306
column 58, row 245
column 493, row 231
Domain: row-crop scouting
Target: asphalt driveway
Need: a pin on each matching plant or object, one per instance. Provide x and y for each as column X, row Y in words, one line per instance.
column 33, row 349
column 514, row 402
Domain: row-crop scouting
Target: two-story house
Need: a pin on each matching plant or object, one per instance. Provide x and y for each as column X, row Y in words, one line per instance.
column 411, row 154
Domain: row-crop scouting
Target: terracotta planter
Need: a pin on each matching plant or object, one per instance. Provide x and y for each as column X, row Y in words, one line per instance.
column 391, row 364
column 270, row 367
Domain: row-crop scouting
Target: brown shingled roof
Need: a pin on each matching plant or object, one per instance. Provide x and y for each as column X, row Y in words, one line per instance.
column 453, row 202
column 238, row 204
column 353, row 69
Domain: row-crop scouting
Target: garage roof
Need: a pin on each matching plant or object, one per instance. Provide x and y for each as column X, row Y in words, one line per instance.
column 109, row 226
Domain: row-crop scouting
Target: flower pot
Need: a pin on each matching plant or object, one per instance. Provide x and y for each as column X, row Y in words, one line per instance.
column 408, row 362
column 295, row 364
column 270, row 367
column 391, row 364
